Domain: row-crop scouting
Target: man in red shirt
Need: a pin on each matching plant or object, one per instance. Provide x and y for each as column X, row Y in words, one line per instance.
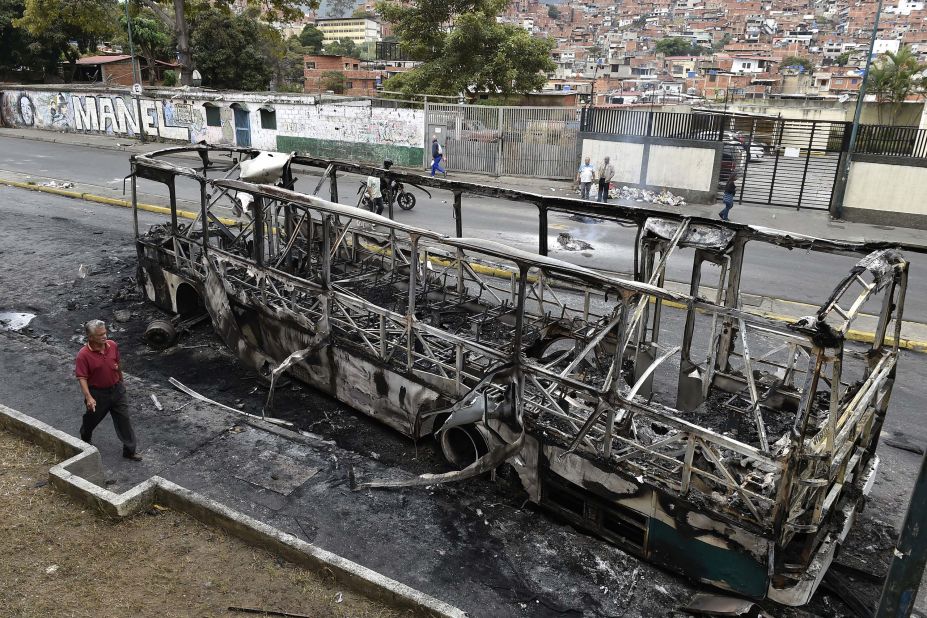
column 100, row 377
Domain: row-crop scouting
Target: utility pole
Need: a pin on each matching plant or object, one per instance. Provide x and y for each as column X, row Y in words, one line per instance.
column 136, row 76
column 841, row 187
column 136, row 70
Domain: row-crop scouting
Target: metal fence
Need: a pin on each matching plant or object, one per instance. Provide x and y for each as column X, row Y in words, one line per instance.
column 892, row 141
column 506, row 141
column 695, row 126
column 777, row 161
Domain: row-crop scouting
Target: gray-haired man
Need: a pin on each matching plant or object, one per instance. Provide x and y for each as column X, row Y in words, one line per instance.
column 605, row 173
column 100, row 376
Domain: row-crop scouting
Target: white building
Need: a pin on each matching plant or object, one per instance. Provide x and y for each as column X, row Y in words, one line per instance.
column 358, row 29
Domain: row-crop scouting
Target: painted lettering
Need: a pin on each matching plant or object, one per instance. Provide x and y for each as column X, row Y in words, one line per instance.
column 85, row 113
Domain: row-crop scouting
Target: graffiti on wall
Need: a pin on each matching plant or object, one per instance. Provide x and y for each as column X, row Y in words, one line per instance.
column 398, row 127
column 163, row 116
column 103, row 113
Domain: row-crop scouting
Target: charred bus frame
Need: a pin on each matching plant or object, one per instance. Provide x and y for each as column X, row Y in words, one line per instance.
column 746, row 475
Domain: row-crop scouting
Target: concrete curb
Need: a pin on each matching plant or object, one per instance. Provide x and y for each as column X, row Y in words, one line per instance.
column 81, row 473
column 109, row 201
column 916, row 345
column 52, row 140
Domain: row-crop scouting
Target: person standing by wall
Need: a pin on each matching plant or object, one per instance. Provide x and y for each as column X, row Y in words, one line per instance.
column 437, row 153
column 730, row 189
column 605, row 173
column 584, row 176
column 100, row 376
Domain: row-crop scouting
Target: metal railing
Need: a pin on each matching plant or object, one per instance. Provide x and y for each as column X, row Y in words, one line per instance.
column 873, row 139
column 892, row 141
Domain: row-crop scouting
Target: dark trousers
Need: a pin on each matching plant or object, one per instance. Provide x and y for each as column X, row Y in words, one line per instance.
column 110, row 401
column 603, row 191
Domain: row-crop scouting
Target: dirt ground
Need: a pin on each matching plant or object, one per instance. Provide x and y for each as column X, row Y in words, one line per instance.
column 62, row 559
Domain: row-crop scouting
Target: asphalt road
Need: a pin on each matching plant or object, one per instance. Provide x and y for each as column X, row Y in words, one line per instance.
column 768, row 271
column 44, row 239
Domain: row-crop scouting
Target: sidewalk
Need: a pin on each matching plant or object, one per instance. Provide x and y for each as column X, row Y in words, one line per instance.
column 804, row 221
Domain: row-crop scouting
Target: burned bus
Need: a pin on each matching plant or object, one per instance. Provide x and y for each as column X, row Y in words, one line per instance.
column 711, row 440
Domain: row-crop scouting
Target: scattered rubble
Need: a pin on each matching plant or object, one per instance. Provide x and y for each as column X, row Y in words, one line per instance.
column 635, row 194
column 54, row 184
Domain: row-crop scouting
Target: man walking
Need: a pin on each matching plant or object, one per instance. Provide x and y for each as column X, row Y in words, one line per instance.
column 100, row 376
column 730, row 189
column 584, row 176
column 605, row 173
column 437, row 153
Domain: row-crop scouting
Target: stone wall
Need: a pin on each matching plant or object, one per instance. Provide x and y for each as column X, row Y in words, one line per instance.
column 350, row 130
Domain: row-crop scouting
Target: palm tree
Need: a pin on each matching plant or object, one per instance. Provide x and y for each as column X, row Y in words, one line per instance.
column 894, row 77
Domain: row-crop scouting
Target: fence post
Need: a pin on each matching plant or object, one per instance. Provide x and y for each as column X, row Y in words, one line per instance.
column 499, row 147
column 650, row 123
column 425, row 150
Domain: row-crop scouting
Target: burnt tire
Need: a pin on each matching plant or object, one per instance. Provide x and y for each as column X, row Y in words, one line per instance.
column 463, row 445
column 160, row 334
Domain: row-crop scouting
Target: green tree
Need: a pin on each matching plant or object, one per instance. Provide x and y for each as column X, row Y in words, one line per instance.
column 677, row 46
column 553, row 11
column 233, row 51
column 24, row 56
column 843, row 59
column 894, row 77
column 311, row 38
column 334, row 81
column 341, row 47
column 477, row 53
column 291, row 76
column 174, row 13
column 61, row 22
column 153, row 40
column 797, row 61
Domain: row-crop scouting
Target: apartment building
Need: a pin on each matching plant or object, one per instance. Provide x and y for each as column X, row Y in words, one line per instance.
column 358, row 29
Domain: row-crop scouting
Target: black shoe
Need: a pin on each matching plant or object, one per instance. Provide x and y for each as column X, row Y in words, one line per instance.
column 87, row 439
column 132, row 456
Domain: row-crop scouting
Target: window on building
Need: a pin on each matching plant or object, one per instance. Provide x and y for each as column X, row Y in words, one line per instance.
column 348, row 85
column 355, row 67
column 213, row 119
column 854, row 81
column 268, row 119
column 310, row 65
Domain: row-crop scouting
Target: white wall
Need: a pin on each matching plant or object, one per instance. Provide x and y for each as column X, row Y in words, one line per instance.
column 681, row 167
column 178, row 116
column 625, row 157
column 887, row 188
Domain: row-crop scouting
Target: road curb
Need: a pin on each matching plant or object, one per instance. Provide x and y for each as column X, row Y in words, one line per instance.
column 109, row 201
column 915, row 345
column 81, row 474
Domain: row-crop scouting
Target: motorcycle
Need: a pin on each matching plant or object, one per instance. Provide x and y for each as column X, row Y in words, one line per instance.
column 393, row 192
column 405, row 199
